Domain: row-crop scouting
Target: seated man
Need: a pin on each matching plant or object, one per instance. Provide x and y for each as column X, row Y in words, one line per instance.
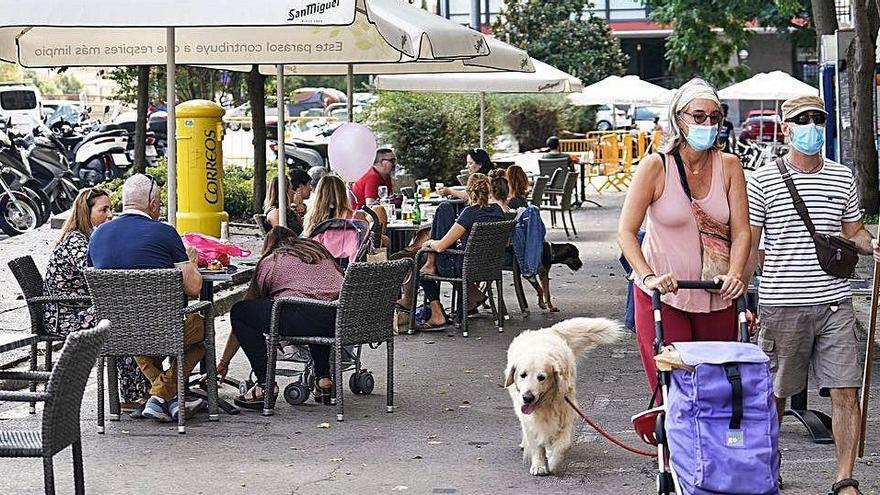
column 553, row 150
column 136, row 240
column 366, row 189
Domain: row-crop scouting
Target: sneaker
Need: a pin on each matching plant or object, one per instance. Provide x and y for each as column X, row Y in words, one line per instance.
column 138, row 412
column 191, row 405
column 173, row 409
column 157, row 409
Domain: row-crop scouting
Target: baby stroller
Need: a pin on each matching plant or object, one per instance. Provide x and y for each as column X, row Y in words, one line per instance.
column 717, row 430
column 348, row 241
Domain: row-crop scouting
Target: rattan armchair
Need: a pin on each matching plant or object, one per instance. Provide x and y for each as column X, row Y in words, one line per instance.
column 33, row 288
column 61, row 413
column 364, row 315
column 147, row 308
column 482, row 260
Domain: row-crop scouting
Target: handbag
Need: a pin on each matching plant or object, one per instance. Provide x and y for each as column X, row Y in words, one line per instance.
column 714, row 235
column 837, row 256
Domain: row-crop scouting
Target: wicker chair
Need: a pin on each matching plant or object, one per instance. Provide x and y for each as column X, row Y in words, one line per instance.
column 35, row 296
column 564, row 203
column 147, row 308
column 262, row 223
column 482, row 261
column 364, row 315
column 63, row 399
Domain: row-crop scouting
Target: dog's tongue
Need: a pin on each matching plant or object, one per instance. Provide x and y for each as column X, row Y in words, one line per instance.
column 528, row 408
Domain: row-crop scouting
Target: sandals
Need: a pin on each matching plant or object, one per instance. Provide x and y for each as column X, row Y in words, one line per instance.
column 253, row 403
column 844, row 483
column 424, row 327
column 323, row 394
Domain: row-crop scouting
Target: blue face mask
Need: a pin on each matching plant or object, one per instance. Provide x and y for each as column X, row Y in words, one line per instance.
column 808, row 139
column 702, row 137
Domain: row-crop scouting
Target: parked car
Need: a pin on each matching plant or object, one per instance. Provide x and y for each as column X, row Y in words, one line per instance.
column 21, row 102
column 643, row 117
column 605, row 119
column 752, row 128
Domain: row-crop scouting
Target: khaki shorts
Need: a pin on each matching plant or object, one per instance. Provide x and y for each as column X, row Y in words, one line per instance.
column 824, row 335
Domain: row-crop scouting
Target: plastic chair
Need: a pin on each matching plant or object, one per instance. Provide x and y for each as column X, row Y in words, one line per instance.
column 65, row 386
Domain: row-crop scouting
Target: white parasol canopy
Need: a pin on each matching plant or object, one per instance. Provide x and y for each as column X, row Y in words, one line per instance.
column 627, row 90
column 55, row 33
column 776, row 85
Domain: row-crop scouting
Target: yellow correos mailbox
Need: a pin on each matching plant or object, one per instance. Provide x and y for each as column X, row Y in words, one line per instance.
column 200, row 167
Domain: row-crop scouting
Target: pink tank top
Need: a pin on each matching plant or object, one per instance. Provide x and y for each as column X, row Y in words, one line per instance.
column 672, row 241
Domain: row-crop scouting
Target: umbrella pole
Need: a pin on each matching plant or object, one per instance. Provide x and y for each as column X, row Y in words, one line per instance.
column 171, row 102
column 869, row 358
column 349, row 91
column 761, row 124
column 482, row 120
column 283, row 201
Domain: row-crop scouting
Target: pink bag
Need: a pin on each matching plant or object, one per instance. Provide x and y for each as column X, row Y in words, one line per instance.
column 211, row 248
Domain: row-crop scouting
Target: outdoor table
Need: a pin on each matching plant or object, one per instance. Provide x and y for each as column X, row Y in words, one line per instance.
column 457, row 204
column 232, row 273
column 401, row 233
column 15, row 340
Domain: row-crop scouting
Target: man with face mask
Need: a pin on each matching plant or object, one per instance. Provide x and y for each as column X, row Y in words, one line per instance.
column 807, row 317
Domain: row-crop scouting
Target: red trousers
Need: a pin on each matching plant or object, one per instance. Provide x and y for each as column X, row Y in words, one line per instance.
column 678, row 326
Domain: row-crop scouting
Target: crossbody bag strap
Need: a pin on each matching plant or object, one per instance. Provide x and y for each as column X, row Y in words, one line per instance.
column 682, row 175
column 799, row 204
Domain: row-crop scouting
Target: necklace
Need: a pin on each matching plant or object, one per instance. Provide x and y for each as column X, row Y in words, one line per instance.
column 696, row 171
column 788, row 162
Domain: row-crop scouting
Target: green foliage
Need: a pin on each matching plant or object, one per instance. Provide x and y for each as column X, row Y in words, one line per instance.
column 533, row 118
column 57, row 84
column 431, row 132
column 559, row 33
column 696, row 48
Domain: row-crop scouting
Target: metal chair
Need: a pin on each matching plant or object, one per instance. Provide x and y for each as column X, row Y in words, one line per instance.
column 481, row 262
column 33, row 288
column 262, row 223
column 364, row 315
column 564, row 203
column 147, row 308
column 65, row 386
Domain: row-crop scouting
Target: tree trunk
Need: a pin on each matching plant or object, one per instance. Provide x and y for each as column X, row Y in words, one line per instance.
column 140, row 127
column 824, row 17
column 861, row 59
column 257, row 96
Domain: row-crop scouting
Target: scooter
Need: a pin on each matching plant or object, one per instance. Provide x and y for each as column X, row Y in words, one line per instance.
column 49, row 167
column 23, row 205
column 97, row 156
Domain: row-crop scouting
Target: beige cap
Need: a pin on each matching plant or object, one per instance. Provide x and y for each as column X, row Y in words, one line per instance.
column 796, row 106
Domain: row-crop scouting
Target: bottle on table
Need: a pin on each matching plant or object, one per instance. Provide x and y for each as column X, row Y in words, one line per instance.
column 416, row 212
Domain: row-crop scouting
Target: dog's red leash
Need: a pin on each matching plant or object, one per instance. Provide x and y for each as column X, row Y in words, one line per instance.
column 606, row 435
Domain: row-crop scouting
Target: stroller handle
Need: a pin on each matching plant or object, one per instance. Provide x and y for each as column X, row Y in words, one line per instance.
column 742, row 323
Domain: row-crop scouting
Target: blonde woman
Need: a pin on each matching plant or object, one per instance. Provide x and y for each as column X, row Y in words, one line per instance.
column 331, row 201
column 447, row 231
column 672, row 248
column 64, row 277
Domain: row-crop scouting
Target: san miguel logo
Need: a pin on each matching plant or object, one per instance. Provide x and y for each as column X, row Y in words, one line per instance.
column 311, row 9
column 550, row 85
column 478, row 46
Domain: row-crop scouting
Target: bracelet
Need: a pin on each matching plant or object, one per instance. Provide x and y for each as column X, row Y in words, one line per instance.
column 645, row 278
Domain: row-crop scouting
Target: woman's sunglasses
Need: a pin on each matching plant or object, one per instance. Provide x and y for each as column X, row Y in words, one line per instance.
column 805, row 118
column 700, row 116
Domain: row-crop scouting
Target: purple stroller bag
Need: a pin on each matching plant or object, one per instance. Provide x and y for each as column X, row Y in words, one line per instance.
column 721, row 421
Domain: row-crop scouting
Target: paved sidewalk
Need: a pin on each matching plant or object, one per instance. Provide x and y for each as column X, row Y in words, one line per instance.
column 453, row 431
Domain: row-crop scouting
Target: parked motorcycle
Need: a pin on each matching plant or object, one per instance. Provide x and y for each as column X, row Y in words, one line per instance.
column 23, row 205
column 49, row 167
column 97, row 156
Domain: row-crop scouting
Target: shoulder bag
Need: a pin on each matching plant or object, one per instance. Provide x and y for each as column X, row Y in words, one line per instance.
column 837, row 256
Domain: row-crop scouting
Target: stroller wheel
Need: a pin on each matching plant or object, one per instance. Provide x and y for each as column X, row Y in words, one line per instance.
column 366, row 382
column 354, row 383
column 295, row 393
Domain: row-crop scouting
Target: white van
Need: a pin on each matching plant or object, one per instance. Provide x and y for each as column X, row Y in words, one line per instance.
column 22, row 103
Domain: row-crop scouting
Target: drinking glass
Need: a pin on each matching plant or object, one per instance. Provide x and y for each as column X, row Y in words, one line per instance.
column 383, row 192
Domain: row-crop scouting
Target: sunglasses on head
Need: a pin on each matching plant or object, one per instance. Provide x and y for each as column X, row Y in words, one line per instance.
column 153, row 183
column 805, row 118
column 700, row 116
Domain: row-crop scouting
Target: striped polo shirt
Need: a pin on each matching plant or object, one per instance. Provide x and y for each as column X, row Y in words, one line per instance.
column 791, row 274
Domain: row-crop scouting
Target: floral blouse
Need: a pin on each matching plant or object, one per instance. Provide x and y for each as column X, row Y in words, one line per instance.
column 64, row 277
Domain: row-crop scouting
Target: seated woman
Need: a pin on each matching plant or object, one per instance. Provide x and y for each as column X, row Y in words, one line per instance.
column 64, row 277
column 518, row 182
column 289, row 267
column 478, row 162
column 447, row 231
column 299, row 188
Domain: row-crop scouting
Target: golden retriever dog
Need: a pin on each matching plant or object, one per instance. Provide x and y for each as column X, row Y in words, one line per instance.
column 541, row 371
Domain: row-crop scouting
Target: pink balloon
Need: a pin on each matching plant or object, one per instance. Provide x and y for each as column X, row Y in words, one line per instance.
column 352, row 149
